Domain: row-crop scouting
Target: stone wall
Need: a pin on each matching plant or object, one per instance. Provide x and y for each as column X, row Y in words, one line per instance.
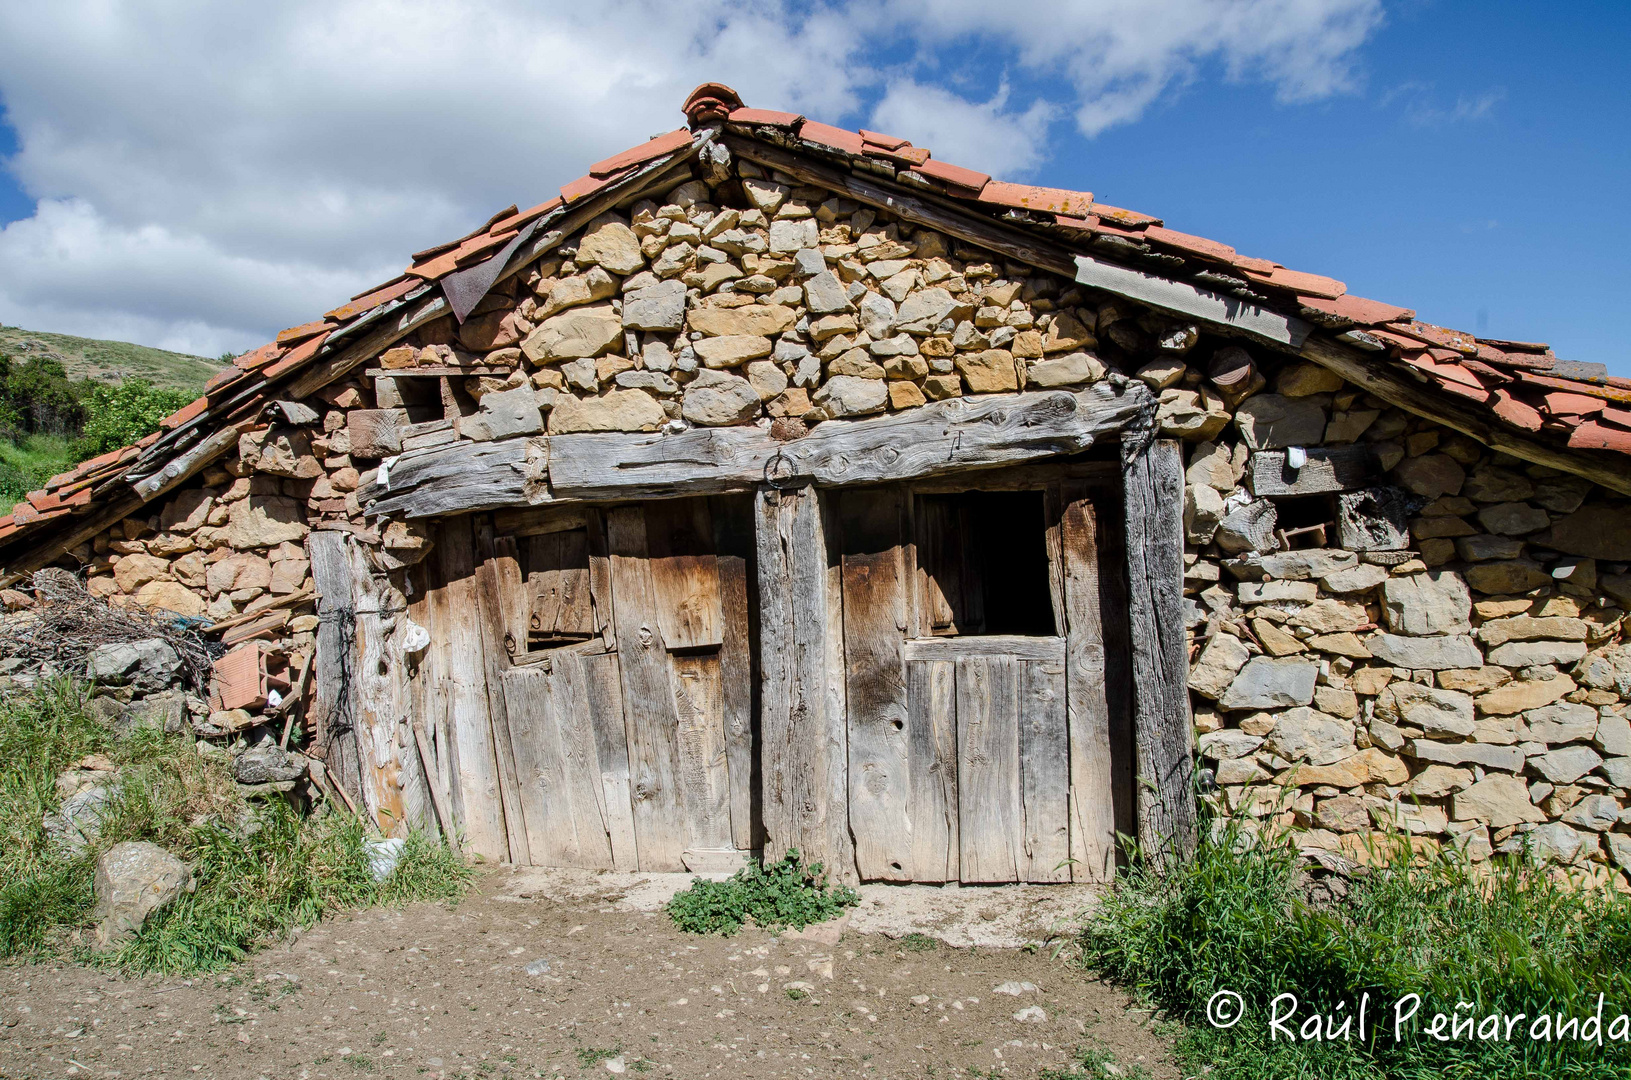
column 1448, row 661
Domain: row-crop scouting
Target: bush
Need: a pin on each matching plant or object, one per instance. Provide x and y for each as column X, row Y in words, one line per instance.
column 118, row 415
column 1505, row 938
column 260, row 869
column 785, row 893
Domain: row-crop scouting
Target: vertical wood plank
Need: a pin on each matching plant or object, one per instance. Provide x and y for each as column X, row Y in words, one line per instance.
column 803, row 760
column 648, row 702
column 829, row 563
column 529, row 701
column 684, row 573
column 580, row 760
column 1154, row 479
column 1092, row 799
column 512, row 593
column 336, row 612
column 419, row 701
column 600, row 577
column 932, row 727
column 604, row 696
column 492, row 606
column 467, row 698
column 733, row 540
column 874, row 615
column 700, row 734
column 989, row 825
column 1044, row 773
column 434, row 667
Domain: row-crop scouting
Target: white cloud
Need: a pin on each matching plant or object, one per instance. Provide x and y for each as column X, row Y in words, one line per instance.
column 982, row 135
column 208, row 173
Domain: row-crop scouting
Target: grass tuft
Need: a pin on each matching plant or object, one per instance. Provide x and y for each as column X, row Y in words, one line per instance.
column 1505, row 938
column 773, row 896
column 260, row 869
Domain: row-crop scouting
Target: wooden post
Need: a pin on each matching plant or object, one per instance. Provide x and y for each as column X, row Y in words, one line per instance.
column 496, row 587
column 336, row 646
column 803, row 743
column 1154, row 481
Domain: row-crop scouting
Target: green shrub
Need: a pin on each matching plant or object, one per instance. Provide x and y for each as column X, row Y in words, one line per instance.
column 1505, row 938
column 785, row 893
column 260, row 869
column 118, row 415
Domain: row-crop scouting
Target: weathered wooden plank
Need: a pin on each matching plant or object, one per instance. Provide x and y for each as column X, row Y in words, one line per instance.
column 684, row 573
column 466, row 681
column 1049, row 650
column 580, row 760
column 457, row 477
column 551, row 833
column 600, row 577
column 988, row 791
column 959, row 433
column 733, row 540
column 394, row 786
column 837, row 698
column 494, row 606
column 1155, row 551
column 704, row 774
column 538, row 521
column 1044, row 772
column 604, row 695
column 940, row 562
column 506, row 563
column 1091, row 783
column 434, row 667
column 874, row 617
column 802, row 758
column 1329, row 468
column 1184, row 298
column 648, row 697
column 336, row 613
column 932, row 731
column 558, row 586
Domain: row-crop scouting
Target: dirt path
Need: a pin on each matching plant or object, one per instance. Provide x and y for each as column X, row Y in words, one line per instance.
column 567, row 976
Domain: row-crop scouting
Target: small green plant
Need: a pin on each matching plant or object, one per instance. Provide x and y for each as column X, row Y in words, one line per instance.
column 589, row 1056
column 916, row 942
column 795, row 994
column 781, row 894
column 360, row 1062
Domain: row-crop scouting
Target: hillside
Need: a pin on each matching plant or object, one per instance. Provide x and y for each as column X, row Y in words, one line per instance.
column 87, row 358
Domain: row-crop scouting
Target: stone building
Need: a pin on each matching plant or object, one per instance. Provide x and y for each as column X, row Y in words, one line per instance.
column 777, row 485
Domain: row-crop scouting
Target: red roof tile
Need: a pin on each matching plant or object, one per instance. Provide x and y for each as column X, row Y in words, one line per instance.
column 258, row 358
column 771, row 117
column 224, row 378
column 1049, row 200
column 1616, row 416
column 955, row 175
column 1591, row 436
column 582, row 186
column 297, row 357
column 651, row 148
column 1127, row 218
column 372, row 300
column 887, row 142
column 1183, row 241
column 826, row 135
column 1297, row 281
column 1607, row 393
column 1561, row 401
column 1360, row 310
column 1515, row 412
column 188, row 412
column 1438, row 335
column 906, row 155
column 301, row 333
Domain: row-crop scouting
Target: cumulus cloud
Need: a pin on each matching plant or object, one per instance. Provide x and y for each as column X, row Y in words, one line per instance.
column 207, row 173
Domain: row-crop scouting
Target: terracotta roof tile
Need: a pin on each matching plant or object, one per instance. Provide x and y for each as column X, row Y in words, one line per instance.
column 771, row 117
column 362, row 304
column 906, row 155
column 886, row 142
column 636, row 155
column 25, row 514
column 258, row 358
column 148, row 440
column 954, row 175
column 302, row 332
column 296, row 357
column 1562, row 401
column 1454, row 372
column 581, row 187
column 1476, row 393
column 1046, row 199
column 1516, row 346
column 1438, row 335
column 477, row 249
column 1621, row 417
column 826, row 135
column 226, row 377
column 1183, row 241
column 515, row 221
column 1297, row 281
column 187, row 412
column 1607, row 393
column 43, row 500
column 1360, row 310
column 1131, row 219
column 1591, row 436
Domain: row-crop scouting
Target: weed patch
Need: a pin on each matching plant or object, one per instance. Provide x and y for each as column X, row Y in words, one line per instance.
column 781, row 894
column 1505, row 938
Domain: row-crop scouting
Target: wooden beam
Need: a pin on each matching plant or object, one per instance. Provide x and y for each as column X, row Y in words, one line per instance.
column 1047, row 649
column 1328, row 468
column 1378, row 377
column 455, row 478
column 1183, row 298
column 1154, row 474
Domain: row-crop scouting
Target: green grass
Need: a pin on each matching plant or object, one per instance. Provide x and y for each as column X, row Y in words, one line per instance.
column 1506, row 938
column 89, row 358
column 781, row 894
column 26, row 465
column 261, row 869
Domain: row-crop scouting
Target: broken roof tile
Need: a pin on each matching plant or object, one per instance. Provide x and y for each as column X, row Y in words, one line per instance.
column 1621, row 417
column 359, row 305
column 886, row 142
column 906, row 155
column 302, row 332
column 1183, row 241
column 296, row 357
column 1131, row 219
column 1357, row 308
column 1454, row 372
column 223, row 379
column 955, row 175
column 1297, row 281
column 1592, row 436
column 838, row 138
column 1515, row 346
column 258, row 358
column 636, row 155
column 1027, row 197
column 1438, row 335
column 24, row 513
column 1607, row 393
column 770, row 117
column 1563, row 401
column 520, row 218
column 1476, row 393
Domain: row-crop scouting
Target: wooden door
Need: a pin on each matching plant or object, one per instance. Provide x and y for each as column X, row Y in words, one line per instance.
column 613, row 656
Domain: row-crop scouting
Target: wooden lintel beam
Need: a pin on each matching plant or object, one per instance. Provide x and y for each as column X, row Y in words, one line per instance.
column 1376, row 376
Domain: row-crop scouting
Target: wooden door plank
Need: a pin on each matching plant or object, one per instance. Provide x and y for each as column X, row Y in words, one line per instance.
column 1044, row 772
column 1018, row 646
column 932, row 727
column 512, row 592
column 829, row 565
column 528, row 694
column 331, row 574
column 988, row 833
column 491, row 608
column 648, row 701
column 1092, row 796
column 434, row 667
column 874, row 617
column 466, row 680
column 580, row 761
column 604, row 695
column 600, row 577
column 733, row 540
column 684, row 573
column 1154, row 479
column 802, row 759
column 703, row 771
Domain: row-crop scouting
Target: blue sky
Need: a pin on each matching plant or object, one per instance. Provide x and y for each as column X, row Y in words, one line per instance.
column 199, row 178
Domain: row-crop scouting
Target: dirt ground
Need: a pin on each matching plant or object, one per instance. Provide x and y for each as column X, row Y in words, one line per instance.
column 578, row 975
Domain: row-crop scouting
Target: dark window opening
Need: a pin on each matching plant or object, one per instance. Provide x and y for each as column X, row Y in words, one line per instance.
column 984, row 560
